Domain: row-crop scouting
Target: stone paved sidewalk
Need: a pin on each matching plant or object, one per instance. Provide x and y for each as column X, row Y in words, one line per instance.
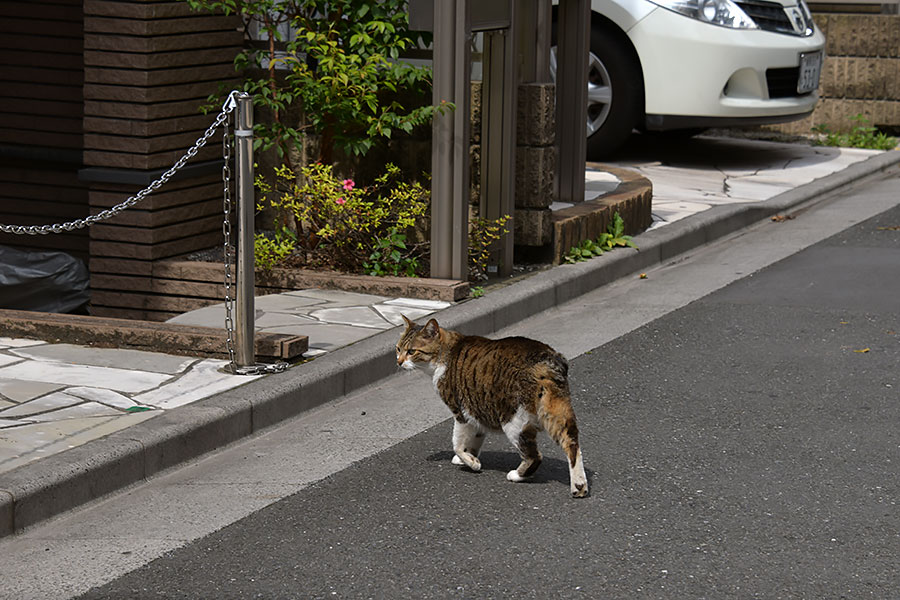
column 58, row 396
column 329, row 318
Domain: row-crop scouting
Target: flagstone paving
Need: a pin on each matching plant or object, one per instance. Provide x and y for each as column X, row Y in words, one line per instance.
column 57, row 396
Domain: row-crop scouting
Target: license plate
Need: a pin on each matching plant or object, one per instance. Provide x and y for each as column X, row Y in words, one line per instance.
column 810, row 69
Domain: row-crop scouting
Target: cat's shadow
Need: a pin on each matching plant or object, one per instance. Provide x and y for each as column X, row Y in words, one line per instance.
column 551, row 469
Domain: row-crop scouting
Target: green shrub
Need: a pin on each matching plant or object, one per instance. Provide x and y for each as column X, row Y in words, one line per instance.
column 380, row 229
column 269, row 251
column 482, row 235
column 389, row 257
column 339, row 70
column 339, row 225
column 863, row 135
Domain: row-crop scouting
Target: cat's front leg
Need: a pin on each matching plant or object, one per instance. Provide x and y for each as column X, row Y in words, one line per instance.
column 523, row 436
column 473, row 447
column 467, row 440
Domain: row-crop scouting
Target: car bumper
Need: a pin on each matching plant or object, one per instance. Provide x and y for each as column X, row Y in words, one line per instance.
column 721, row 79
column 672, row 122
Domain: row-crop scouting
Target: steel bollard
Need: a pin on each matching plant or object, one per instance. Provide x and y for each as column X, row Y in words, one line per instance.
column 245, row 314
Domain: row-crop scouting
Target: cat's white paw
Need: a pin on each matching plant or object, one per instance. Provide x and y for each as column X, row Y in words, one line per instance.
column 468, row 460
column 579, row 489
column 514, row 476
column 578, row 478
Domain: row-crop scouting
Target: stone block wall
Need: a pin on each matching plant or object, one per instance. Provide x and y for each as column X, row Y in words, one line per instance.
column 861, row 74
column 535, row 161
column 535, row 164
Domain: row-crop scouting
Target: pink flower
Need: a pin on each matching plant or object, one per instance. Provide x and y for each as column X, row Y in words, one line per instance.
column 348, row 184
column 340, row 201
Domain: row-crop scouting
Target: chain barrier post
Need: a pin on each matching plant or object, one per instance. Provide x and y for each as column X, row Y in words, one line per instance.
column 239, row 339
column 245, row 314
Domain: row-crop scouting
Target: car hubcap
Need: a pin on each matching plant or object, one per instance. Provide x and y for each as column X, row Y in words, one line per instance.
column 599, row 91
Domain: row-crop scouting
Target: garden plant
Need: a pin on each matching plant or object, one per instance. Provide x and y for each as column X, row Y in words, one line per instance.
column 379, row 229
column 334, row 63
column 863, row 135
column 328, row 71
column 613, row 237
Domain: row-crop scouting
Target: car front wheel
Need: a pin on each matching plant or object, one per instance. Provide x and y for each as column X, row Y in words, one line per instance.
column 615, row 90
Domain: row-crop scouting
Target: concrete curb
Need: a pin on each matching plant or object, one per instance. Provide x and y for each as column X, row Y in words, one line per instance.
column 48, row 487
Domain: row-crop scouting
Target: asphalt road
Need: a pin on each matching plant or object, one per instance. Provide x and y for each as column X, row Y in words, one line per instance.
column 745, row 445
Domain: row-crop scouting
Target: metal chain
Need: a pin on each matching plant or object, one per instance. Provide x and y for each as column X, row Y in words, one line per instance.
column 228, row 254
column 227, row 108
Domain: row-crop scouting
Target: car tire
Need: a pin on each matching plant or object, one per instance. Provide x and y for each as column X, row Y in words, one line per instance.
column 615, row 91
column 615, row 88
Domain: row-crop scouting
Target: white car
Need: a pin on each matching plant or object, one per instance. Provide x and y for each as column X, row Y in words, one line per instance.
column 687, row 65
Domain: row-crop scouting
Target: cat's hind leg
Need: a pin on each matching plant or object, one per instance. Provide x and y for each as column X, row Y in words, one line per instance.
column 558, row 419
column 522, row 432
column 467, row 441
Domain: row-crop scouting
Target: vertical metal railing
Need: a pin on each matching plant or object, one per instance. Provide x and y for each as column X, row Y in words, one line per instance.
column 240, row 331
column 499, row 95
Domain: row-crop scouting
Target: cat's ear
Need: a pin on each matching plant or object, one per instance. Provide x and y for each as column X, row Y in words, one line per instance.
column 409, row 324
column 431, row 329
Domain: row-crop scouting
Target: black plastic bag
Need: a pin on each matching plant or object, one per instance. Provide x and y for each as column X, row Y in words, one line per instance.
column 43, row 281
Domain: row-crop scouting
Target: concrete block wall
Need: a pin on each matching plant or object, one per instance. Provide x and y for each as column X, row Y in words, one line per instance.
column 861, row 74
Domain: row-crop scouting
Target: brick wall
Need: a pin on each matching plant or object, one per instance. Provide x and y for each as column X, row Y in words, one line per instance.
column 41, row 122
column 861, row 74
column 148, row 68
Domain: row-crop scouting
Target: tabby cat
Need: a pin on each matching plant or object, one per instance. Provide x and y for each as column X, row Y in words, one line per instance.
column 515, row 385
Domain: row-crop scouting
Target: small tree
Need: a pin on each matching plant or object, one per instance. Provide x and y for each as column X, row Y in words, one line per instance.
column 335, row 61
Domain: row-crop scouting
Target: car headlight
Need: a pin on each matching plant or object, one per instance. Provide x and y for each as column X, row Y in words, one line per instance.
column 724, row 13
column 805, row 22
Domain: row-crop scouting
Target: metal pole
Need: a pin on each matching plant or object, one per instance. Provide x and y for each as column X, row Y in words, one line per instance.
column 246, row 205
column 533, row 29
column 462, row 83
column 573, row 33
